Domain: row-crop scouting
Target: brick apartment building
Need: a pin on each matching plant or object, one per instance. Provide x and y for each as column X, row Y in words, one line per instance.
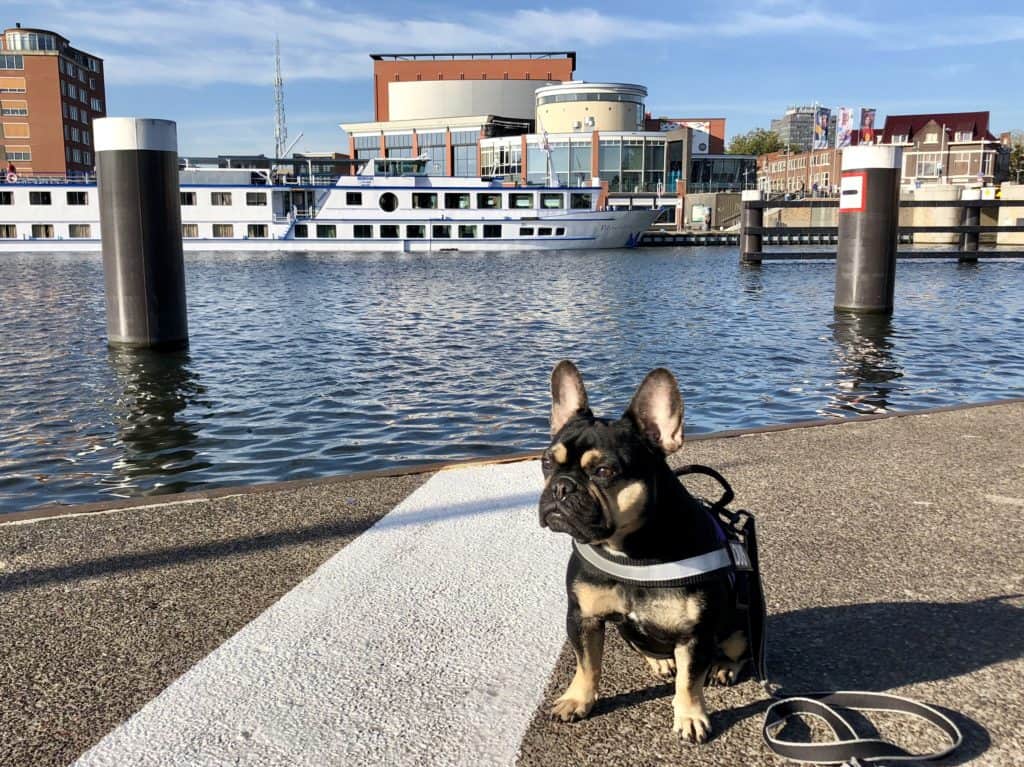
column 50, row 93
column 802, row 173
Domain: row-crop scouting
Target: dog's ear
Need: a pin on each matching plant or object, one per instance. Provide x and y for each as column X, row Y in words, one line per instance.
column 657, row 410
column 568, row 397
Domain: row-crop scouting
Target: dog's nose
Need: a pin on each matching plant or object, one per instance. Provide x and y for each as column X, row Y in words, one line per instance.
column 562, row 487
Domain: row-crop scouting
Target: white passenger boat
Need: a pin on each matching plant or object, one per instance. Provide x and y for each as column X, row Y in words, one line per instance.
column 389, row 205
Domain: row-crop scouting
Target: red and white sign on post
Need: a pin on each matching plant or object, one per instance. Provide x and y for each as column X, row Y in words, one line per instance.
column 853, row 191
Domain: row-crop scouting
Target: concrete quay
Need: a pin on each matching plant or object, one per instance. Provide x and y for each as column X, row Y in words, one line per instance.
column 418, row 619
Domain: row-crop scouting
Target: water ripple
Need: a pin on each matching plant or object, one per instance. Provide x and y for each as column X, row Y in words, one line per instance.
column 303, row 365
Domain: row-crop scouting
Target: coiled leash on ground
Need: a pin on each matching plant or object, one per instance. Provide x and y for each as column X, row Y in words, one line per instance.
column 847, row 748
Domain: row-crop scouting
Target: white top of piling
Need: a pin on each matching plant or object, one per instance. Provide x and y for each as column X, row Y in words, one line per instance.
column 872, row 156
column 750, row 194
column 115, row 133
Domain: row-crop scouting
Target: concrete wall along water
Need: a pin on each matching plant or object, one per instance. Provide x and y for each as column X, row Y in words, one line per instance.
column 1010, row 216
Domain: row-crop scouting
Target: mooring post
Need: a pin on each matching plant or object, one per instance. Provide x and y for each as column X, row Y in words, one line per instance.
column 869, row 207
column 751, row 218
column 140, row 220
column 971, row 217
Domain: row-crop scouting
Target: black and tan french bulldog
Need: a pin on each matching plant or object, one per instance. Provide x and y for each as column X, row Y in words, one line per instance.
column 608, row 485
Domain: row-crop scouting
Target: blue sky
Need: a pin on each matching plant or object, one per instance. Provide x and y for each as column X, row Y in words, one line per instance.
column 210, row 66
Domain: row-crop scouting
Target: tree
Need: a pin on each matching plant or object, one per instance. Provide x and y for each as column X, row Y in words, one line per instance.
column 758, row 141
column 1016, row 155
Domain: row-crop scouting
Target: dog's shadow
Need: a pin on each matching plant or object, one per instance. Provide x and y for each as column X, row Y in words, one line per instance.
column 877, row 646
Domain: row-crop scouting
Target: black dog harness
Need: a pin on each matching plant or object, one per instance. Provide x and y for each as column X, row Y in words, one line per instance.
column 735, row 558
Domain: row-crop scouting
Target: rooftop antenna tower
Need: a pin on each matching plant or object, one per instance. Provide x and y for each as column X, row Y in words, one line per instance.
column 280, row 128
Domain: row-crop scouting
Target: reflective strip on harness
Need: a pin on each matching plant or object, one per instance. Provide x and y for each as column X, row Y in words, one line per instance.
column 691, row 567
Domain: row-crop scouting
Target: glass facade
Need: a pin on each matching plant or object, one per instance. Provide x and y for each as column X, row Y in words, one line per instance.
column 464, row 152
column 432, row 146
column 722, row 173
column 367, row 147
column 399, row 145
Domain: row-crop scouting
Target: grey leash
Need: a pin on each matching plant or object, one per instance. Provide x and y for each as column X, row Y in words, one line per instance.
column 847, row 748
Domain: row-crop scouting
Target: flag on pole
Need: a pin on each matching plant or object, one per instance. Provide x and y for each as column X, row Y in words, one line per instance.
column 867, row 126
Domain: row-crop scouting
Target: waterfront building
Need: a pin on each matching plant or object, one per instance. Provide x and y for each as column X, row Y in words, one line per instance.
column 811, row 173
column 947, row 148
column 442, row 104
column 50, row 93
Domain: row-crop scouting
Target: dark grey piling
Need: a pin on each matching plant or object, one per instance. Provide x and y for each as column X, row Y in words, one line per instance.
column 140, row 220
column 869, row 199
column 971, row 217
column 751, row 217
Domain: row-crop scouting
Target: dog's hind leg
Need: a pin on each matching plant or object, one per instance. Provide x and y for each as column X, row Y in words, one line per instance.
column 726, row 668
column 662, row 668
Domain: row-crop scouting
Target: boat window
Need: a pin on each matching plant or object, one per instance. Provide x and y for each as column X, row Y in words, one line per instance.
column 415, row 231
column 526, row 231
column 8, row 231
column 492, row 230
column 38, row 198
column 442, row 231
column 42, row 231
column 220, row 198
column 326, row 231
column 353, row 198
column 552, row 201
column 544, row 231
column 255, row 198
column 78, row 198
column 362, row 231
column 456, row 200
column 520, row 200
column 6, row 198
column 388, row 203
column 487, row 200
column 188, row 198
column 79, row 231
column 467, row 230
column 302, row 230
column 424, row 200
column 560, row 231
column 389, row 231
column 257, row 231
column 223, row 230
column 190, row 230
column 579, row 201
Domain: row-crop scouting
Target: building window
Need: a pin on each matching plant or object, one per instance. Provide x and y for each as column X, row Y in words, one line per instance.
column 964, row 135
column 389, row 231
column 13, row 109
column 8, row 231
column 415, row 231
column 326, row 231
column 190, row 231
column 97, row 105
column 42, row 231
column 255, row 198
column 257, row 231
column 79, row 231
column 353, row 198
column 519, row 200
column 398, row 145
column 302, row 230
column 87, row 158
column 526, row 231
column 223, row 230
column 86, row 139
column 78, row 198
column 424, row 200
column 442, row 231
column 464, row 152
column 15, row 84
column 188, row 198
column 362, row 231
column 579, row 201
column 492, row 230
column 12, row 61
column 456, row 200
column 488, row 200
column 467, row 230
column 72, row 91
column 928, row 165
column 388, row 202
column 432, row 146
column 24, row 155
column 15, row 130
column 932, row 138
column 900, row 138
column 220, row 198
column 38, row 198
column 544, row 231
column 551, row 201
column 6, row 198
column 72, row 112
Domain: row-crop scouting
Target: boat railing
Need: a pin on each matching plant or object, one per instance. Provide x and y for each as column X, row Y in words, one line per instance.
column 38, row 177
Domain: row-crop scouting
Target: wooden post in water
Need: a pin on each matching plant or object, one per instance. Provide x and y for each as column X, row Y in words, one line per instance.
column 751, row 217
column 971, row 217
column 140, row 219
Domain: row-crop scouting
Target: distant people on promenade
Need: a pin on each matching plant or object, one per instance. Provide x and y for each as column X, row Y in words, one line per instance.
column 12, row 172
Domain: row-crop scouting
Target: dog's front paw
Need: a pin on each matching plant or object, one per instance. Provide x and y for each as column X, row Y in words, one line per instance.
column 571, row 709
column 693, row 725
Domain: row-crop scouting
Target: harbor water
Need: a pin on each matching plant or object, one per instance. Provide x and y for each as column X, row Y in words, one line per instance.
column 305, row 365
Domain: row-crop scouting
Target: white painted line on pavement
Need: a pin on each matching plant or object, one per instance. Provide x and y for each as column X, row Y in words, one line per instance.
column 427, row 640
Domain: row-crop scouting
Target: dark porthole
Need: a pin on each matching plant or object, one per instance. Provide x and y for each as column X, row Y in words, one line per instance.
column 388, row 202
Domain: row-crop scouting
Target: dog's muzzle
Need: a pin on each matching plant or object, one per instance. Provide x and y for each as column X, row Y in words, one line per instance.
column 565, row 507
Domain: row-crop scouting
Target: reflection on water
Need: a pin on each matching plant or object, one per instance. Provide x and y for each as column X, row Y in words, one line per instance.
column 156, row 439
column 867, row 371
column 306, row 365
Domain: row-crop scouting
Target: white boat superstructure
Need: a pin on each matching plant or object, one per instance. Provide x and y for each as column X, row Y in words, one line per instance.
column 390, row 205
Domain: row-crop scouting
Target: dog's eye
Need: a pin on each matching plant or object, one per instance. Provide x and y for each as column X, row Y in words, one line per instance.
column 604, row 472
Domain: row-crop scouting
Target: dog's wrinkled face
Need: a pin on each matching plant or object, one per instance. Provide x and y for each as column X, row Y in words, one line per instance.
column 601, row 474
